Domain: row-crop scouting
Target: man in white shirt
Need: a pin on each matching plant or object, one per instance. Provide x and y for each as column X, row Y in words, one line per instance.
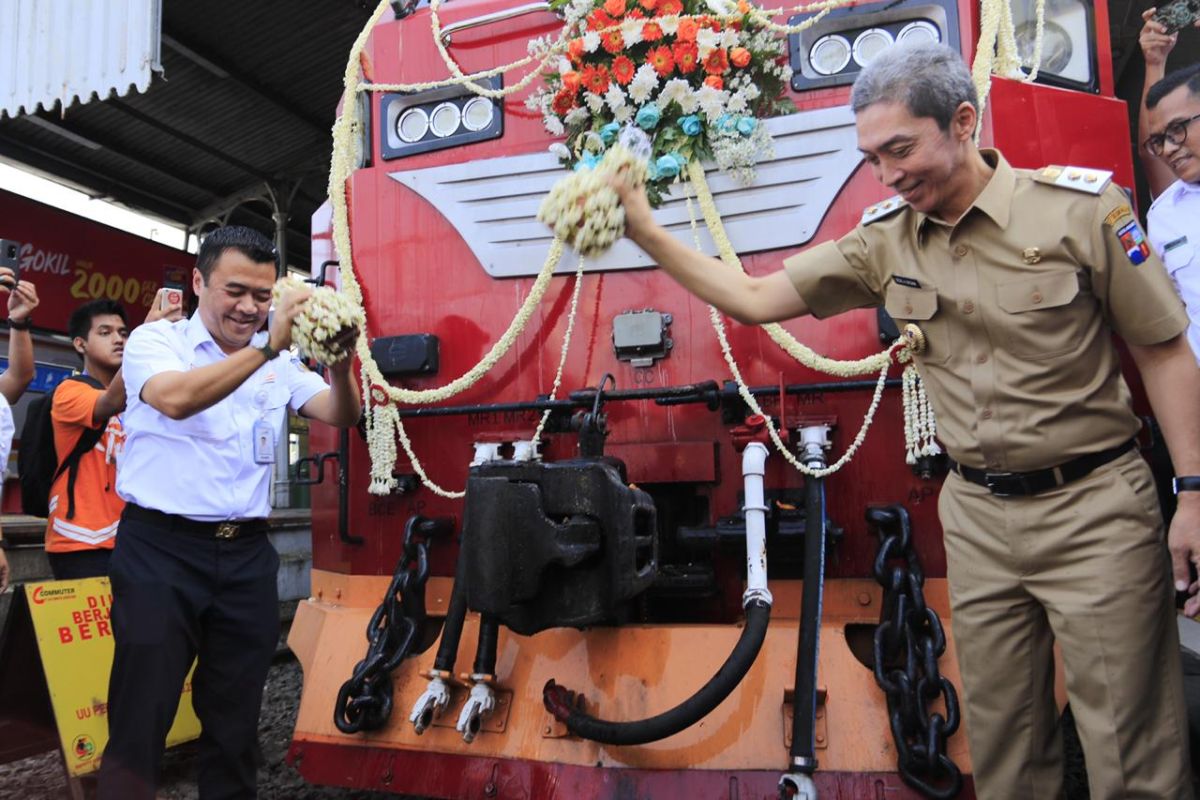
column 22, row 300
column 1170, row 127
column 193, row 574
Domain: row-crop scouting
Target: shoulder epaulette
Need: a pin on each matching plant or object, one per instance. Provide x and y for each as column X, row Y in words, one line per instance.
column 1081, row 179
column 878, row 211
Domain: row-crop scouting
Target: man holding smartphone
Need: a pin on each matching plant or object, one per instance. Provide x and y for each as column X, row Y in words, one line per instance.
column 193, row 573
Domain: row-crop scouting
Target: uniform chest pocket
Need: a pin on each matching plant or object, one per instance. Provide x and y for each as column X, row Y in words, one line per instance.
column 1178, row 257
column 1044, row 316
column 907, row 304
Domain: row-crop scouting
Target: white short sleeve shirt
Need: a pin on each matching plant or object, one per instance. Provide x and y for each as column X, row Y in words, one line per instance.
column 203, row 467
column 1174, row 233
column 7, row 429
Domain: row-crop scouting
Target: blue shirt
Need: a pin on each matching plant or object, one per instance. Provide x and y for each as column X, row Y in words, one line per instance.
column 203, row 466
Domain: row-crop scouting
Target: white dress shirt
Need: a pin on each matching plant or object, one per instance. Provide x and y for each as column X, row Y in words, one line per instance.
column 1174, row 233
column 7, row 429
column 203, row 467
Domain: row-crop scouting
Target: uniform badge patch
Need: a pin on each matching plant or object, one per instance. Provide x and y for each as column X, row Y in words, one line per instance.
column 1118, row 213
column 1134, row 242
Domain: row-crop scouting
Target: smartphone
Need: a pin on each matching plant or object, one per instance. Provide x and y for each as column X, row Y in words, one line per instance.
column 1177, row 14
column 173, row 296
column 10, row 256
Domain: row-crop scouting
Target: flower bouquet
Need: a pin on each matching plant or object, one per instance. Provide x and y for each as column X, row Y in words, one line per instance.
column 328, row 324
column 696, row 75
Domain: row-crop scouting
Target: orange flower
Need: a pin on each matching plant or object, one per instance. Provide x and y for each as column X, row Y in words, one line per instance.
column 575, row 50
column 740, row 56
column 651, row 32
column 615, row 8
column 669, row 8
column 717, row 62
column 648, row 4
column 687, row 30
column 613, row 42
column 743, row 7
column 571, row 81
column 598, row 21
column 715, row 82
column 595, row 79
column 687, row 55
column 661, row 59
column 563, row 102
column 635, row 13
column 622, row 69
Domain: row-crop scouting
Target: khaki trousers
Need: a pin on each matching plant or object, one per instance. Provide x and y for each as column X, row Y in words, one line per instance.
column 1086, row 565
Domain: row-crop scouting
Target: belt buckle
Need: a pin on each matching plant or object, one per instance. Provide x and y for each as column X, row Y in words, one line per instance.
column 227, row 530
column 1001, row 484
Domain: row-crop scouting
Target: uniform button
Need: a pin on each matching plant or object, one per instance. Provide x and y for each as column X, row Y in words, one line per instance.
column 960, row 250
column 986, row 413
column 981, row 358
column 908, row 309
column 968, row 307
column 1037, row 297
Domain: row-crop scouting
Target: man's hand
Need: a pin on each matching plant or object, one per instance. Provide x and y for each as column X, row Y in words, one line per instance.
column 173, row 311
column 1184, row 544
column 345, row 342
column 291, row 303
column 22, row 299
column 4, row 571
column 1156, row 43
column 639, row 217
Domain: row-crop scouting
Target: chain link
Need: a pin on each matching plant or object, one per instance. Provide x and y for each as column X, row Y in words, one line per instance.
column 364, row 702
column 908, row 643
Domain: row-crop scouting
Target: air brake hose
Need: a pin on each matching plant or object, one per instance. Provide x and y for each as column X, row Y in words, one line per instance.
column 455, row 615
column 562, row 702
column 485, row 651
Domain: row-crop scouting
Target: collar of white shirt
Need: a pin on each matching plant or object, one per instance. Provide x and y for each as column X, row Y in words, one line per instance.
column 196, row 334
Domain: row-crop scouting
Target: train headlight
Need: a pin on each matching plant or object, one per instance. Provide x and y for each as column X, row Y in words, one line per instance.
column 830, row 54
column 412, row 125
column 477, row 114
column 919, row 32
column 445, row 120
column 869, row 44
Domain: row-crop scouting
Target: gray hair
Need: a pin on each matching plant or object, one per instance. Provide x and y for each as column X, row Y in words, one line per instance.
column 930, row 79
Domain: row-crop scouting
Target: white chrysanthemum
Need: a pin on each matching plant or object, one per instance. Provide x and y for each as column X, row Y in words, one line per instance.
column 591, row 41
column 673, row 91
column 615, row 97
column 688, row 103
column 730, row 38
column 751, row 92
column 623, row 115
column 669, row 25
column 722, row 7
column 644, row 82
column 553, row 125
column 707, row 40
column 576, row 11
column 536, row 101
column 631, row 31
column 326, row 316
column 711, row 101
column 559, row 150
column 593, row 101
column 737, row 103
column 576, row 115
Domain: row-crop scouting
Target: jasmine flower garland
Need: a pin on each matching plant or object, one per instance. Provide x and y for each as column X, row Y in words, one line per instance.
column 320, row 327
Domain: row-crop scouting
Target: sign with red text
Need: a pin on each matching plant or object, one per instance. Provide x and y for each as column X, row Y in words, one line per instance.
column 73, row 260
column 74, row 635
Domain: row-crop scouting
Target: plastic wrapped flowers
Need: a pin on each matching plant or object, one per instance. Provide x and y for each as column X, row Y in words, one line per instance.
column 584, row 210
column 325, row 327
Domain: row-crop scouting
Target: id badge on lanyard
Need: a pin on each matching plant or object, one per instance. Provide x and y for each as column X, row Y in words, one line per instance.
column 264, row 433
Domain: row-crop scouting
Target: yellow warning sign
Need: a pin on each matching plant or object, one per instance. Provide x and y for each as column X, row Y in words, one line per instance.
column 74, row 636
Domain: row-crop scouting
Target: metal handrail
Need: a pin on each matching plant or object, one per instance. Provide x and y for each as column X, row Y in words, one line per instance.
column 495, row 16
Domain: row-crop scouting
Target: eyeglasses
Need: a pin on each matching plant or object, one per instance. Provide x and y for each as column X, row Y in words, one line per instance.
column 1175, row 133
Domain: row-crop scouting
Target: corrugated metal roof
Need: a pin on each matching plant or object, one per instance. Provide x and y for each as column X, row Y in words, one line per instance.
column 54, row 52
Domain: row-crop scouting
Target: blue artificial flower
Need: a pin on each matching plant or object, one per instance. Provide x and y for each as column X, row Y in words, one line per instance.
column 746, row 125
column 691, row 125
column 726, row 123
column 668, row 166
column 609, row 132
column 587, row 161
column 648, row 116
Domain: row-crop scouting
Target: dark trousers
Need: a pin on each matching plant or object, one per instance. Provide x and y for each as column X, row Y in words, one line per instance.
column 179, row 596
column 79, row 564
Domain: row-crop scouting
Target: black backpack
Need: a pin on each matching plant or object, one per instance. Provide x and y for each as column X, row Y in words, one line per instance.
column 37, row 461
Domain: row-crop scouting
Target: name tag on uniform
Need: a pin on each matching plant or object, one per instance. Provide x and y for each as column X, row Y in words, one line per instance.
column 911, row 283
column 264, row 442
column 1171, row 245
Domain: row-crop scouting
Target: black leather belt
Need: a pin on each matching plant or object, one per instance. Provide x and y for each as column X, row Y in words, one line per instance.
column 223, row 529
column 1023, row 484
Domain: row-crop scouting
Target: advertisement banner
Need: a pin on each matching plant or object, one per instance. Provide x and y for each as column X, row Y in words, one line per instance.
column 72, row 260
column 74, row 636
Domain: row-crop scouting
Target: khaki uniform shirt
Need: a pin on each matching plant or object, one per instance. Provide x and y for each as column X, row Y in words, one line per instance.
column 1017, row 301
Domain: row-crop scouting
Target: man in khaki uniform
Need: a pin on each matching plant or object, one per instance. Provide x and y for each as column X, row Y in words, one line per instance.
column 1052, row 527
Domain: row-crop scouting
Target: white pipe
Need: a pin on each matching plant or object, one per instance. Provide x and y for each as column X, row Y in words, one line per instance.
column 754, row 462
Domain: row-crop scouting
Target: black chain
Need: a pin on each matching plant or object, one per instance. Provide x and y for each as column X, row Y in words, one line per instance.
column 908, row 643
column 364, row 702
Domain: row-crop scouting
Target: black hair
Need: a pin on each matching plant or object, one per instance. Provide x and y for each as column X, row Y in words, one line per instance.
column 80, row 324
column 1187, row 75
column 247, row 241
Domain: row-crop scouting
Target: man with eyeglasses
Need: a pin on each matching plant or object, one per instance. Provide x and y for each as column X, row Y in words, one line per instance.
column 1171, row 110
